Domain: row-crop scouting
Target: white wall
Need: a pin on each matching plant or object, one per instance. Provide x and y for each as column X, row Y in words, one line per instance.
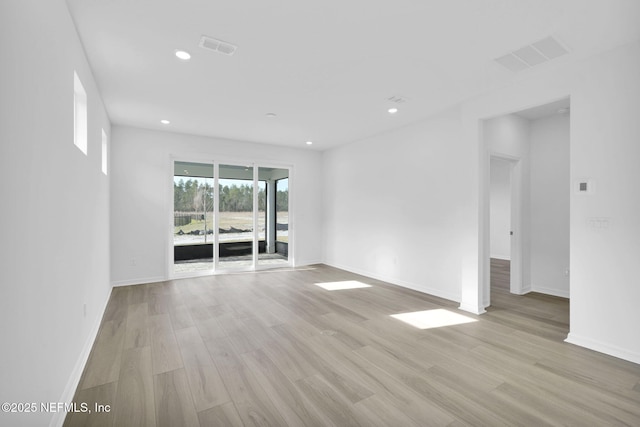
column 604, row 93
column 605, row 131
column 397, row 206
column 508, row 135
column 141, row 196
column 550, row 191
column 437, row 238
column 500, row 227
column 55, row 210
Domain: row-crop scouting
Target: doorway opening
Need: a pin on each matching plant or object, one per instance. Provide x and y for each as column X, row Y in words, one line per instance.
column 501, row 224
column 526, row 200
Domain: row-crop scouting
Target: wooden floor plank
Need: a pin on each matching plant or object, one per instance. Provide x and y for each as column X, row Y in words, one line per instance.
column 222, row 415
column 174, row 405
column 375, row 411
column 104, row 395
column 164, row 348
column 328, row 401
column 180, row 317
column 252, row 402
column 294, row 407
column 103, row 365
column 442, row 400
column 205, row 383
column 135, row 405
column 335, row 374
column 137, row 328
column 272, row 348
column 390, row 389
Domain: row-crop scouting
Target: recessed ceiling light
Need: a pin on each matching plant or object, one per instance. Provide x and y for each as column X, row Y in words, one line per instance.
column 165, row 122
column 392, row 110
column 183, row 55
column 309, row 142
column 271, row 115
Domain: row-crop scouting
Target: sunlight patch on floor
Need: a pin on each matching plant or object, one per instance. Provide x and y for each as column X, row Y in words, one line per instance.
column 436, row 318
column 345, row 284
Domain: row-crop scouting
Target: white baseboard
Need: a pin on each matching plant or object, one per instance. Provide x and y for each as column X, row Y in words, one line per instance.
column 185, row 275
column 143, row 280
column 523, row 291
column 502, row 257
column 138, row 281
column 550, row 291
column 472, row 309
column 413, row 286
column 602, row 347
column 72, row 384
column 307, row 262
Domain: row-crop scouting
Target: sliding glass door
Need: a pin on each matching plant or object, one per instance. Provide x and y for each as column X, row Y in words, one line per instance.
column 235, row 207
column 229, row 217
column 274, row 214
column 193, row 217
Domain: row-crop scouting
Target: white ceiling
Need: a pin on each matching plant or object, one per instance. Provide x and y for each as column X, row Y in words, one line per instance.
column 326, row 68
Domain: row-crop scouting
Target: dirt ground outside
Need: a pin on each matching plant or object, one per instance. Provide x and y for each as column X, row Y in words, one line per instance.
column 185, row 234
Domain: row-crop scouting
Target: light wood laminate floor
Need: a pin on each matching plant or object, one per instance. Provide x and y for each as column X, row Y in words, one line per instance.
column 273, row 349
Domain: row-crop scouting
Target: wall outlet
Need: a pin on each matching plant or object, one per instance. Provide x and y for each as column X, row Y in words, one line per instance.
column 599, row 224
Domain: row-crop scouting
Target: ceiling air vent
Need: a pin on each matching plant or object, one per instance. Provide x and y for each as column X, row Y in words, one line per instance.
column 532, row 55
column 217, row 45
column 397, row 99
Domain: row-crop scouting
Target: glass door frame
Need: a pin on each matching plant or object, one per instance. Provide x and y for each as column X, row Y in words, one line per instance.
column 217, row 269
column 254, row 240
column 171, row 273
column 290, row 234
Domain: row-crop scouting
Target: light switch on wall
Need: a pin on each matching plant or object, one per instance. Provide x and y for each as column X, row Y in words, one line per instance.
column 584, row 186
